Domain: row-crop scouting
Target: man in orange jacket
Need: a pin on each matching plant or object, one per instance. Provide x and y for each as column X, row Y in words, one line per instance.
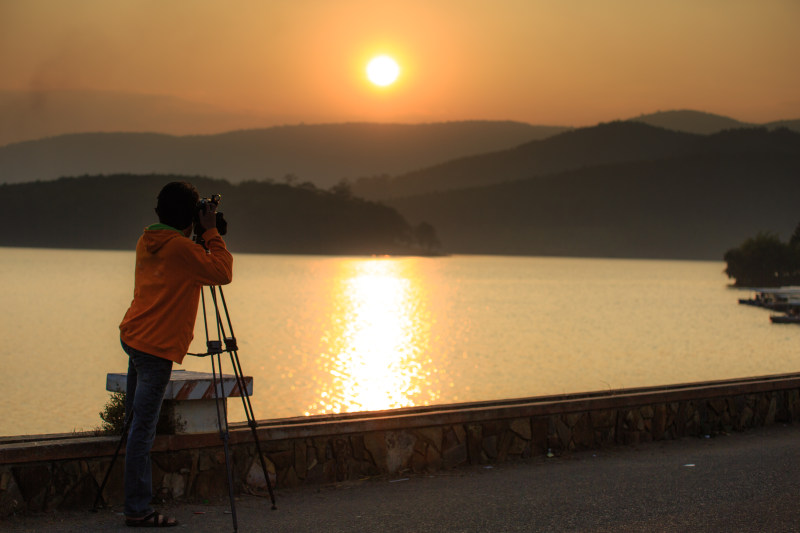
column 157, row 329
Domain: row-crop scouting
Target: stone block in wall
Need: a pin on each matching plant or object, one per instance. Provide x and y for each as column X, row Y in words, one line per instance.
column 605, row 418
column 114, row 491
column 519, row 447
column 659, row 425
column 539, row 434
column 781, row 407
column 793, row 405
column 433, row 436
column 282, row 462
column 289, row 479
column 631, row 438
column 172, row 461
column 79, row 494
column 771, row 410
column 563, row 434
column 583, row 432
column 174, row 483
column 315, row 473
column 619, row 426
column 474, row 443
column 761, row 410
column 300, row 454
column 503, row 445
column 570, row 419
column 605, row 436
column 358, row 469
column 210, row 484
column 342, row 452
column 489, row 448
column 11, row 499
column 455, row 456
column 453, row 435
column 399, row 450
column 209, row 458
column 64, row 476
column 426, row 458
column 255, row 479
column 681, row 420
column 375, row 444
column 32, row 482
column 454, row 446
column 718, row 405
column 242, row 455
column 745, row 418
column 427, row 449
column 433, row 458
column 358, row 448
column 522, row 427
column 493, row 427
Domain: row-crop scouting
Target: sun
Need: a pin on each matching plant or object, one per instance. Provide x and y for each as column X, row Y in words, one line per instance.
column 383, row 70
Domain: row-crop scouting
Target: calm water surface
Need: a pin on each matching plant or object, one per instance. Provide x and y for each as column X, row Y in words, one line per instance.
column 339, row 334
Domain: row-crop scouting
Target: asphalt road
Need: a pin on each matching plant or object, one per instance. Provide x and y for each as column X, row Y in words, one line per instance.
column 731, row 483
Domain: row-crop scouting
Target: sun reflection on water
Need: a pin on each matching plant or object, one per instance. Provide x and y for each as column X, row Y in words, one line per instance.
column 376, row 347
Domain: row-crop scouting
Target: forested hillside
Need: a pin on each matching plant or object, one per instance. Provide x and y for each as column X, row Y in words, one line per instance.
column 109, row 212
column 689, row 207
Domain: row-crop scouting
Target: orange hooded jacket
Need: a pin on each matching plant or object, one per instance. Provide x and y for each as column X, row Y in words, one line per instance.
column 171, row 270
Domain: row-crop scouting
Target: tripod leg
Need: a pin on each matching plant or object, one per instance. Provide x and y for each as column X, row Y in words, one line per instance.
column 230, row 345
column 122, row 439
column 222, row 422
column 248, row 409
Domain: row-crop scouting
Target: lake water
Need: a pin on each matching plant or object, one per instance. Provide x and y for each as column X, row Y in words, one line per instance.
column 341, row 334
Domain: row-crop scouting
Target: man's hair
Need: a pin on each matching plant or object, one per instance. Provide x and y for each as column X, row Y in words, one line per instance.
column 177, row 202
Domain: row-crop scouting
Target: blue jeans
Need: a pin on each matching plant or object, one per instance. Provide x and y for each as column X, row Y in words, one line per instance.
column 148, row 377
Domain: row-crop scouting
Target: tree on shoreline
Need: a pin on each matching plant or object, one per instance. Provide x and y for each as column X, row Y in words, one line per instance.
column 765, row 261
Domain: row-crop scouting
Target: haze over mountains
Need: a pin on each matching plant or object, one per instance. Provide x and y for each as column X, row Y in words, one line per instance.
column 679, row 184
column 323, row 154
column 36, row 114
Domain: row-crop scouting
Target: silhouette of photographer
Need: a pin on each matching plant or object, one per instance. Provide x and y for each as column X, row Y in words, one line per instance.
column 157, row 329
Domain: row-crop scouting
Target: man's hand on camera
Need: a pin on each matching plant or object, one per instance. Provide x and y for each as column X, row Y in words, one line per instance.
column 208, row 218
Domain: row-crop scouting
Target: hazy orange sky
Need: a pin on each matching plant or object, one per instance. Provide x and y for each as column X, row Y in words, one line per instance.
column 565, row 62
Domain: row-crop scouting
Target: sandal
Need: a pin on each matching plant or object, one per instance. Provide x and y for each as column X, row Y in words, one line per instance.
column 152, row 520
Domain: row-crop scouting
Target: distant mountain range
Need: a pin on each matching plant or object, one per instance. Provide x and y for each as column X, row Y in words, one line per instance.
column 689, row 121
column 623, row 189
column 656, row 186
column 71, row 133
column 33, row 115
column 604, row 144
column 322, row 154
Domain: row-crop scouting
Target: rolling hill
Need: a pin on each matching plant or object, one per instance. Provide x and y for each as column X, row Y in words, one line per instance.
column 694, row 204
column 689, row 121
column 615, row 142
column 321, row 154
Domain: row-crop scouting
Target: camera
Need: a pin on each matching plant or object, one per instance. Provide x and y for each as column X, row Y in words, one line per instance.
column 213, row 199
column 202, row 206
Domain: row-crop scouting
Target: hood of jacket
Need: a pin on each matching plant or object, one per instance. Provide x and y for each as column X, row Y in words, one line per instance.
column 157, row 235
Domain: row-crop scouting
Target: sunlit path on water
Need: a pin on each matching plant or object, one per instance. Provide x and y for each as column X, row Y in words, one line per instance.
column 378, row 340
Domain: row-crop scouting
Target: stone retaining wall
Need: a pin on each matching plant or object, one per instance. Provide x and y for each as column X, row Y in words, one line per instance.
column 64, row 471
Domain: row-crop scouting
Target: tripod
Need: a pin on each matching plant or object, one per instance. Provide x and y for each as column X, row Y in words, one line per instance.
column 215, row 351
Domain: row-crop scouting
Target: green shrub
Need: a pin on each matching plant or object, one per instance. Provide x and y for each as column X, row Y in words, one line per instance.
column 113, row 414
